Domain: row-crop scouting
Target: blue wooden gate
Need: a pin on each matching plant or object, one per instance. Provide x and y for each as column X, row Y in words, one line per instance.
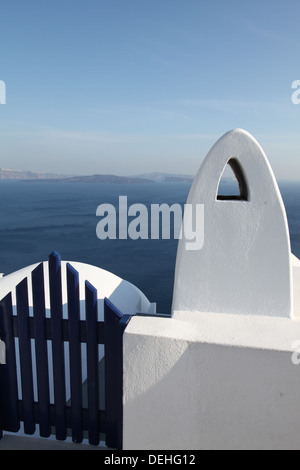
column 23, row 332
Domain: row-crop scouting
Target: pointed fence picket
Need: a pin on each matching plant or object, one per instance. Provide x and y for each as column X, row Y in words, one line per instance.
column 24, row 333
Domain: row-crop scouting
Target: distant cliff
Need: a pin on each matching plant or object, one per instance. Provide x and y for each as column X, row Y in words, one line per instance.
column 33, row 176
column 95, row 179
column 7, row 174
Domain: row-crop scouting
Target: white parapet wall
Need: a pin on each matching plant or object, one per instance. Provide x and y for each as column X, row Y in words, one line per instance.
column 223, row 372
column 211, row 382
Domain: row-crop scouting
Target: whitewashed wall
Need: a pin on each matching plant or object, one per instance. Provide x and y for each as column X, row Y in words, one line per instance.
column 211, row 382
column 219, row 373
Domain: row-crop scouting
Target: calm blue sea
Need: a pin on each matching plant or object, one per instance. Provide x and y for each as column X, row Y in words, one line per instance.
column 37, row 218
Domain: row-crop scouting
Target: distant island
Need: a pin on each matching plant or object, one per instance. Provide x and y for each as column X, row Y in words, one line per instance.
column 8, row 174
column 167, row 177
column 32, row 176
column 93, row 179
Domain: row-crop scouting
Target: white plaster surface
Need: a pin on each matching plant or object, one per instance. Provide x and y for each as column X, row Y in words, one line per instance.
column 211, row 381
column 244, row 265
column 205, row 380
column 219, row 374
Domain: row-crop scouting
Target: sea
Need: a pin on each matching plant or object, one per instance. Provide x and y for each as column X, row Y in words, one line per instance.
column 37, row 218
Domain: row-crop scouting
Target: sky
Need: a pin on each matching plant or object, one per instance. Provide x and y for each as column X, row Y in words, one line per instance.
column 134, row 86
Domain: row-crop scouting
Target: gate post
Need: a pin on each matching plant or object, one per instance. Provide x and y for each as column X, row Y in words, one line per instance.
column 115, row 323
column 1, row 379
column 1, row 427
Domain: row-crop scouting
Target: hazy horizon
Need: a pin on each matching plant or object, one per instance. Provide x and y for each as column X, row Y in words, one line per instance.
column 148, row 175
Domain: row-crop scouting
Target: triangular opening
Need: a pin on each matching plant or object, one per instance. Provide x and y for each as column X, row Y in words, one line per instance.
column 233, row 185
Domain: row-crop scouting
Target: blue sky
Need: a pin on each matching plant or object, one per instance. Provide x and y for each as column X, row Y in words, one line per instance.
column 133, row 86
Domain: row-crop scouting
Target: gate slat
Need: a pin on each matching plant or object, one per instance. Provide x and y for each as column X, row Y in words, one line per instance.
column 75, row 353
column 112, row 316
column 25, row 356
column 92, row 363
column 38, row 293
column 8, row 372
column 115, row 323
column 57, row 345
